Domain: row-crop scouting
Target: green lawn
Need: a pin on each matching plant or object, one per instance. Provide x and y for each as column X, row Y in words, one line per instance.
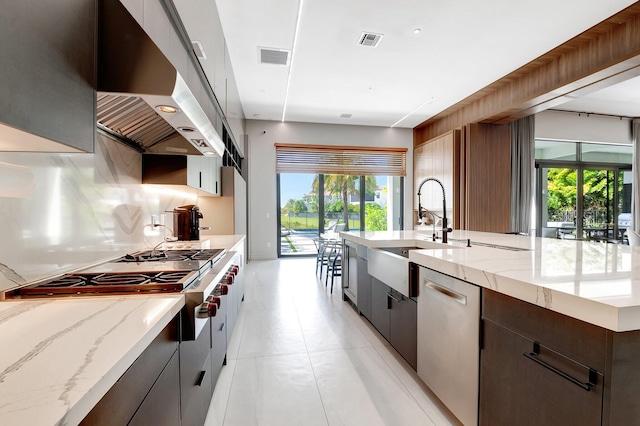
column 307, row 223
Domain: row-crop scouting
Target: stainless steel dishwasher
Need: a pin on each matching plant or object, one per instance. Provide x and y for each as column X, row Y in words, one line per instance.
column 449, row 341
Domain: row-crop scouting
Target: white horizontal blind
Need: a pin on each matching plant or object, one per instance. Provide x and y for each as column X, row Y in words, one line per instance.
column 341, row 160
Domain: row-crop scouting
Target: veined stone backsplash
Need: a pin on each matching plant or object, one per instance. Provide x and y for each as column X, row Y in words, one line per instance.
column 61, row 212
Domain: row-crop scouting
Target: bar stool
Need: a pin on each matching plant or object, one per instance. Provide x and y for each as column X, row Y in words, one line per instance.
column 325, row 248
column 334, row 265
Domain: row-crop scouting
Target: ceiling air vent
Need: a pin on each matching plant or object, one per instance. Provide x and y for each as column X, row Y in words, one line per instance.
column 345, row 115
column 273, row 56
column 370, row 39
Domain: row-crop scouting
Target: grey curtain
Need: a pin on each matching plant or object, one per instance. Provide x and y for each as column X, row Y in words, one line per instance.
column 635, row 209
column 522, row 170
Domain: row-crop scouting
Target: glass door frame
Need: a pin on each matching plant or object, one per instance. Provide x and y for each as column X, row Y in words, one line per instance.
column 321, row 209
column 580, row 167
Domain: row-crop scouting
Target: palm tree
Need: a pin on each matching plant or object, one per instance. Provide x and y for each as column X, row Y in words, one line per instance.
column 344, row 185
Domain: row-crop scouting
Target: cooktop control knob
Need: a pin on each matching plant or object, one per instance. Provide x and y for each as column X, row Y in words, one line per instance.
column 213, row 309
column 229, row 278
column 224, row 289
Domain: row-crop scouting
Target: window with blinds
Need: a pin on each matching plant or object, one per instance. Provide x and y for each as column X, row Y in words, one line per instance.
column 341, row 160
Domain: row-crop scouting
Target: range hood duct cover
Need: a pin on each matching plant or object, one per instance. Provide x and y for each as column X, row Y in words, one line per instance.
column 134, row 76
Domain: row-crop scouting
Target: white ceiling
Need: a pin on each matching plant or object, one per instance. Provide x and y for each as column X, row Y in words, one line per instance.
column 463, row 46
column 622, row 99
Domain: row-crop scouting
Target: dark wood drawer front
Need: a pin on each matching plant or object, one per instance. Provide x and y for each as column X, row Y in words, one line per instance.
column 126, row 395
column 218, row 342
column 516, row 390
column 195, row 378
column 583, row 342
column 196, row 393
column 380, row 307
column 403, row 324
column 161, row 407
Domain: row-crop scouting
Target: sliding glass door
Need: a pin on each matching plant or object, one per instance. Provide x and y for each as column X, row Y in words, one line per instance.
column 299, row 218
column 314, row 205
column 582, row 202
column 583, row 190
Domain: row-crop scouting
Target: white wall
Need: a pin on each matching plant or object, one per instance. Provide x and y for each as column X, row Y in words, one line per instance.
column 570, row 126
column 263, row 135
column 61, row 212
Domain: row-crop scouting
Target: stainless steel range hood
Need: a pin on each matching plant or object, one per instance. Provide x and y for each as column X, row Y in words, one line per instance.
column 136, row 84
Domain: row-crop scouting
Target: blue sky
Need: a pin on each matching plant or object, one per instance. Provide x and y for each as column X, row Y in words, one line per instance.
column 295, row 185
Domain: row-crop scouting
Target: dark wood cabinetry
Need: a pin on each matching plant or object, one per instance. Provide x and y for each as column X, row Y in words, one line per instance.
column 403, row 323
column 542, row 367
column 161, row 406
column 218, row 341
column 364, row 287
column 516, row 390
column 379, row 307
column 48, row 75
column 196, row 387
column 153, row 376
column 395, row 317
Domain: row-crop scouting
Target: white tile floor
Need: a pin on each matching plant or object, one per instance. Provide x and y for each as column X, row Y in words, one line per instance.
column 301, row 356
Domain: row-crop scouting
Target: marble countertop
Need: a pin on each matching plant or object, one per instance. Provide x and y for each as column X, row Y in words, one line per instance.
column 228, row 242
column 60, row 356
column 595, row 282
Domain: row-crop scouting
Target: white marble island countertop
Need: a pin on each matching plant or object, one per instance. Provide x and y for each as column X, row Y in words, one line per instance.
column 60, row 356
column 595, row 282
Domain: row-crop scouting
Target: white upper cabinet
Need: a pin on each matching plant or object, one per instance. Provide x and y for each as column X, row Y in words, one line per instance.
column 197, row 172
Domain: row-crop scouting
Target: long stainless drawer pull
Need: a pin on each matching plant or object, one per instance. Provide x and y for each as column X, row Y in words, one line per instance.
column 593, row 375
column 449, row 293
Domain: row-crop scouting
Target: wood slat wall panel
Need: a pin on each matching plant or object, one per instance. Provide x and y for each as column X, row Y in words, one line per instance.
column 488, row 177
column 601, row 56
column 438, row 158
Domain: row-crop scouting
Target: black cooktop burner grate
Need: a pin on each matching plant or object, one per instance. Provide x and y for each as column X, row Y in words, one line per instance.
column 171, row 255
column 111, row 283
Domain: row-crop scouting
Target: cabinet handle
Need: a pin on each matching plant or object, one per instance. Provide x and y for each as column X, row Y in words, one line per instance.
column 221, row 327
column 216, row 187
column 393, row 297
column 201, row 378
column 200, row 177
column 593, row 374
column 462, row 299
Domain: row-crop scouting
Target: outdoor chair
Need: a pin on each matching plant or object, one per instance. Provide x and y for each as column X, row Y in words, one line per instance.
column 325, row 248
column 334, row 265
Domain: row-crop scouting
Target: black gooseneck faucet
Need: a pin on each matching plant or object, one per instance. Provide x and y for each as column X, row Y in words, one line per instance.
column 445, row 228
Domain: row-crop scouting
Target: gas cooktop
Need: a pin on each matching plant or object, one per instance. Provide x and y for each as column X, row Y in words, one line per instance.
column 171, row 255
column 151, row 271
column 85, row 284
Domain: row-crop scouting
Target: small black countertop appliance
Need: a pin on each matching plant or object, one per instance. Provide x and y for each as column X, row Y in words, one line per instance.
column 186, row 222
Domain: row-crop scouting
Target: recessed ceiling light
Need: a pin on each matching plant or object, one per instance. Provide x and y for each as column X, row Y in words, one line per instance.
column 169, row 109
column 186, row 129
column 210, row 153
column 417, row 31
column 402, row 119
